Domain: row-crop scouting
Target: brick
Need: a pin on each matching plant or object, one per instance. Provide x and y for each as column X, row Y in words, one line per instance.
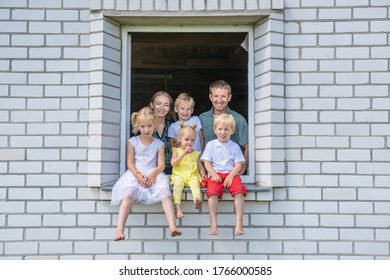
column 90, row 247
column 373, row 168
column 12, row 180
column 28, row 40
column 374, row 194
column 77, row 234
column 226, row 247
column 336, row 116
column 42, row 234
column 24, row 220
column 382, row 234
column 356, row 181
column 301, row 14
column 45, row 27
column 200, row 247
column 382, row 181
column 300, row 247
column 321, row 180
column 11, row 234
column 353, row 155
column 338, row 167
column 45, row 52
column 376, row 221
column 12, row 154
column 27, row 116
column 321, row 234
column 356, row 234
column 286, row 233
column 42, row 180
column 265, row 247
column 62, row 15
column 24, row 193
column 21, row 167
column 319, row 155
column 135, row 247
column 308, row 168
column 335, row 247
column 13, row 78
column 320, row 207
column 59, row 247
column 371, row 248
column 59, row 194
column 21, row 248
column 26, row 141
column 352, row 129
column 356, row 207
column 43, row 206
column 339, row 193
column 59, row 220
column 335, row 91
column 93, row 219
column 26, row 91
column 44, row 78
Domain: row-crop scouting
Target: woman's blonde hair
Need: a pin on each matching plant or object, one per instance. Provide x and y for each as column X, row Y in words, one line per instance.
column 226, row 119
column 145, row 113
column 184, row 97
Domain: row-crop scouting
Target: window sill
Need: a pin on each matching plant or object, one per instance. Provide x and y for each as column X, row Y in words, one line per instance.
column 255, row 193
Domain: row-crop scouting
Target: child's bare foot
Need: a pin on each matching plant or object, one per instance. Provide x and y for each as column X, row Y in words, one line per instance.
column 175, row 232
column 119, row 235
column 197, row 203
column 239, row 230
column 213, row 230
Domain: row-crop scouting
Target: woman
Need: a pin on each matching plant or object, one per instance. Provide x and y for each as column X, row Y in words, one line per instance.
column 162, row 103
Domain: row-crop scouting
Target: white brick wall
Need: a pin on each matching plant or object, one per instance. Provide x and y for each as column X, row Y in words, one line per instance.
column 321, row 129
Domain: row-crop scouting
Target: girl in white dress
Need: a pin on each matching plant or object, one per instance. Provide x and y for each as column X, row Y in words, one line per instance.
column 144, row 181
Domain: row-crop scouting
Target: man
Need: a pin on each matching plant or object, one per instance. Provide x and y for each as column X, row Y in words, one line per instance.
column 220, row 93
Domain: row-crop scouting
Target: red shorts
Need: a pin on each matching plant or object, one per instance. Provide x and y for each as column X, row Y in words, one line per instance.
column 217, row 188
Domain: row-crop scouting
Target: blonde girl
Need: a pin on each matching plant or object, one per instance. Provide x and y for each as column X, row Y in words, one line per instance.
column 144, row 181
column 186, row 168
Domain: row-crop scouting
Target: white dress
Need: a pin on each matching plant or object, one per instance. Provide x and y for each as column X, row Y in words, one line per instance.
column 145, row 158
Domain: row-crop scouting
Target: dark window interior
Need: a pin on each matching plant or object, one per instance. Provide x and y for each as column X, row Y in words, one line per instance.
column 188, row 62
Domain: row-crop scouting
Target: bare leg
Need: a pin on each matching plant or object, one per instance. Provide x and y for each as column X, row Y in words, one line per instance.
column 170, row 214
column 179, row 213
column 195, row 191
column 213, row 205
column 124, row 211
column 239, row 205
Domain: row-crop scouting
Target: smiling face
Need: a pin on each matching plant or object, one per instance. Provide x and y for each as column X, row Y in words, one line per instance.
column 220, row 98
column 184, row 110
column 161, row 106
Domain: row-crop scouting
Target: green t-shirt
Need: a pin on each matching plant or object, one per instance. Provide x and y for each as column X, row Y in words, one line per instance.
column 240, row 135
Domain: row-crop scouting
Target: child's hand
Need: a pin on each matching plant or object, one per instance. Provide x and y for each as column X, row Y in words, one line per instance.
column 141, row 178
column 215, row 178
column 228, row 181
column 203, row 183
column 188, row 150
column 150, row 180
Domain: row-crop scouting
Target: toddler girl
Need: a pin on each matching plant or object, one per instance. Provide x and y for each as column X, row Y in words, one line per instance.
column 186, row 167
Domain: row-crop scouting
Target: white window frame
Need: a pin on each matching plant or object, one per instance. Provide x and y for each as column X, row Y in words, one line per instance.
column 126, row 85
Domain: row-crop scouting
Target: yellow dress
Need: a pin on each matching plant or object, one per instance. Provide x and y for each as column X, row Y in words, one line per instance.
column 186, row 173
